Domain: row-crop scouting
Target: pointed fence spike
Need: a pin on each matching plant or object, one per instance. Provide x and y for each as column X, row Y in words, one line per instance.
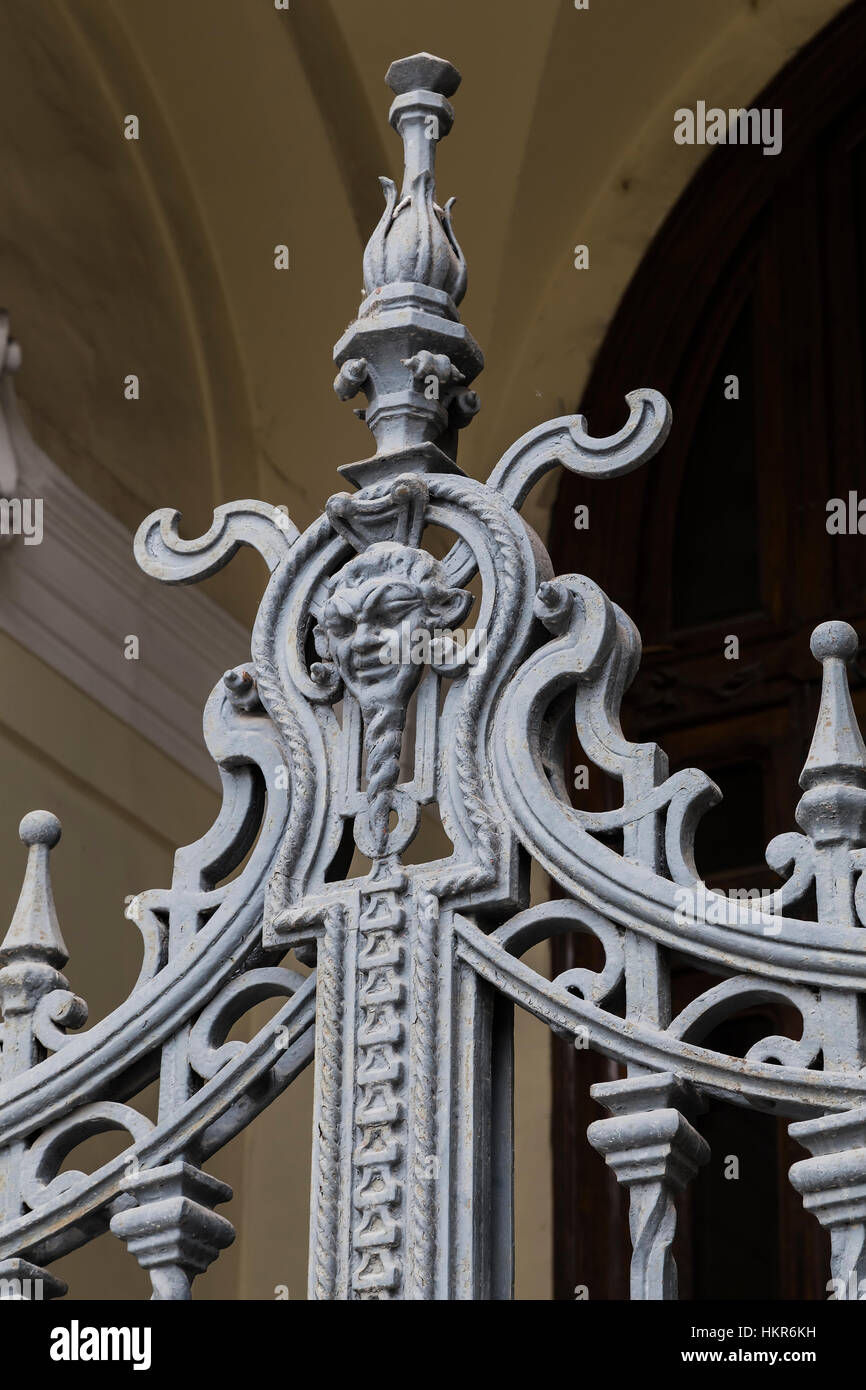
column 34, row 932
column 837, row 751
column 832, row 809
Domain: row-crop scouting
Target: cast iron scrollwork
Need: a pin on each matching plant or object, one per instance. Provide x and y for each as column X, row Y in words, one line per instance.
column 366, row 703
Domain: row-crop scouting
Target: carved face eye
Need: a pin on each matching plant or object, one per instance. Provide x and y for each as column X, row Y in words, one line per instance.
column 339, row 619
column 393, row 605
column 341, row 625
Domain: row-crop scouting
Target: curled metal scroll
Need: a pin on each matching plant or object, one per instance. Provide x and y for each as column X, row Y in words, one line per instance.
column 567, row 442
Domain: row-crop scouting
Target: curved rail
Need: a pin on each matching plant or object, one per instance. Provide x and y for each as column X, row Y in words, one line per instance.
column 209, row 1119
column 761, row 1085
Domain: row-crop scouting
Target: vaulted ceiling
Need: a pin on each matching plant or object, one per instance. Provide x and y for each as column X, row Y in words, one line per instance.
column 261, row 126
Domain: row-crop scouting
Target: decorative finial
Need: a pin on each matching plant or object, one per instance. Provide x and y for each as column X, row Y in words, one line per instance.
column 837, row 749
column 414, row 242
column 408, row 351
column 832, row 810
column 34, row 933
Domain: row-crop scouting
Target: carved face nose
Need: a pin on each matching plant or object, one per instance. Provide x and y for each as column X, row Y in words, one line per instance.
column 367, row 636
column 366, row 649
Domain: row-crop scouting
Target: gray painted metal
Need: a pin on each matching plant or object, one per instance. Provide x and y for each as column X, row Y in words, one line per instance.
column 361, row 704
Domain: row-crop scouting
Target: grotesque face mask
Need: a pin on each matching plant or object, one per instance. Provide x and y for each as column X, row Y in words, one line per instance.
column 380, row 603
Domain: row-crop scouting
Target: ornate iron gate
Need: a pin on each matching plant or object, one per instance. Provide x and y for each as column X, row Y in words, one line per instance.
column 380, row 685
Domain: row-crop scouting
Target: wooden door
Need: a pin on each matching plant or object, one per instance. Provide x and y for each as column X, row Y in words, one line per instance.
column 759, row 274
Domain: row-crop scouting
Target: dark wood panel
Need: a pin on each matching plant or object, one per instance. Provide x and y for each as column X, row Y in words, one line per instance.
column 781, row 241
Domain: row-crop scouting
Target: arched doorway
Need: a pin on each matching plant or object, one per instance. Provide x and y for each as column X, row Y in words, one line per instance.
column 749, row 313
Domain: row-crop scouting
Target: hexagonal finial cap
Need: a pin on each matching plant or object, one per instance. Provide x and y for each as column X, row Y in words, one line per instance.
column 423, row 72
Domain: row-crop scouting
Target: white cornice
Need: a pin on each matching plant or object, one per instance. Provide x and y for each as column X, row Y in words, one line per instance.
column 74, row 598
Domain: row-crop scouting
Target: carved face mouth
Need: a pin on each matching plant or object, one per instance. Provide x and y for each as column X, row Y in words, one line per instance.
column 367, row 667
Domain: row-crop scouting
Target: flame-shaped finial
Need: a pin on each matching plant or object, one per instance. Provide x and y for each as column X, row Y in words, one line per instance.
column 34, row 933
column 414, row 242
column 407, row 351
